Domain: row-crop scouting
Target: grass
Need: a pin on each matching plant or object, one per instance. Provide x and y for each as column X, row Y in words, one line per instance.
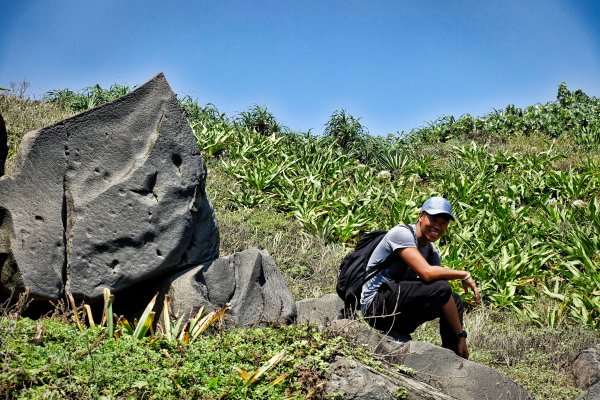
column 22, row 114
column 67, row 363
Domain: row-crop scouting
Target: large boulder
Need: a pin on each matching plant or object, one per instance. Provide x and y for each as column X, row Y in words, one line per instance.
column 108, row 198
column 249, row 281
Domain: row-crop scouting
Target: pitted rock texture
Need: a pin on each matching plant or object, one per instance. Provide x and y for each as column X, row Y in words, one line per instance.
column 249, row 281
column 108, row 198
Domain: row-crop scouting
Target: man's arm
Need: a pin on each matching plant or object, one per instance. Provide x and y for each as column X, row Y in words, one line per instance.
column 428, row 273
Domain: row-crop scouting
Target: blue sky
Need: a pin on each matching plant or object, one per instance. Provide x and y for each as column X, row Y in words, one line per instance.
column 395, row 64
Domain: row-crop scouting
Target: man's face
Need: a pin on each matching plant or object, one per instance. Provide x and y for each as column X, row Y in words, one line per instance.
column 433, row 226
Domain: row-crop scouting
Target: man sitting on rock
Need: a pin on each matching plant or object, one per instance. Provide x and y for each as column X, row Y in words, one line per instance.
column 414, row 287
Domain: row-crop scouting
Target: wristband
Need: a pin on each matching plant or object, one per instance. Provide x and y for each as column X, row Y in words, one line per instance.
column 466, row 277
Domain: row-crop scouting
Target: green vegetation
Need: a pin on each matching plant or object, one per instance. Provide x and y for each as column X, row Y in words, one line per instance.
column 525, row 187
column 52, row 359
column 22, row 115
column 346, row 130
column 528, row 225
column 88, row 98
column 573, row 114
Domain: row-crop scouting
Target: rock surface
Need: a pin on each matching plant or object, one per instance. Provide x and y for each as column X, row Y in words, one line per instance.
column 436, row 366
column 586, row 368
column 458, row 377
column 374, row 342
column 593, row 393
column 107, row 198
column 249, row 281
column 320, row 311
column 355, row 381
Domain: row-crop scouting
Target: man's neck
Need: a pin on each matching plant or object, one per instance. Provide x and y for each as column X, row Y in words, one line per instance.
column 421, row 239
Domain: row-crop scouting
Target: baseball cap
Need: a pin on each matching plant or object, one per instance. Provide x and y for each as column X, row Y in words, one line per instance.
column 438, row 205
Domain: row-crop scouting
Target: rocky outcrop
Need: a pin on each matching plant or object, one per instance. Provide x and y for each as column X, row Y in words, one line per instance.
column 458, row 377
column 355, row 381
column 108, row 198
column 249, row 281
column 433, row 365
column 370, row 339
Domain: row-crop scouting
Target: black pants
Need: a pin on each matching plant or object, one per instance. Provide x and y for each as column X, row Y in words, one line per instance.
column 403, row 306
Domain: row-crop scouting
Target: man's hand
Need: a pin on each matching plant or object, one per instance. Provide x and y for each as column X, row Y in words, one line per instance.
column 470, row 283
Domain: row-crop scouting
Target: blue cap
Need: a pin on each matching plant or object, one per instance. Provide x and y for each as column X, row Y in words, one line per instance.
column 437, row 206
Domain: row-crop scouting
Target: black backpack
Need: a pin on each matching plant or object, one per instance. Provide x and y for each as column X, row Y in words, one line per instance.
column 353, row 269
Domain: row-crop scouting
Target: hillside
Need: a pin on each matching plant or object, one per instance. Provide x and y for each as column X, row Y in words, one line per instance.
column 524, row 184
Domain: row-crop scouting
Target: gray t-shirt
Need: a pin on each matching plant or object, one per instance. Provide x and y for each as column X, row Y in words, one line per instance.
column 399, row 237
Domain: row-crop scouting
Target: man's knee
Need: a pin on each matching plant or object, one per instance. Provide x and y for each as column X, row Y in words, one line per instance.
column 441, row 290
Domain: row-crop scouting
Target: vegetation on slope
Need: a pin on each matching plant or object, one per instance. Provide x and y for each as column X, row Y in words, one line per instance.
column 52, row 359
column 524, row 184
column 529, row 221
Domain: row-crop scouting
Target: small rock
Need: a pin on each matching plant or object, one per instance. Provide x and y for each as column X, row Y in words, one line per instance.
column 320, row 311
column 586, row 368
column 249, row 281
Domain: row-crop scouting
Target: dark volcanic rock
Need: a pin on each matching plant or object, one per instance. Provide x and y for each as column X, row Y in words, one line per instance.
column 107, row 198
column 353, row 380
column 249, row 281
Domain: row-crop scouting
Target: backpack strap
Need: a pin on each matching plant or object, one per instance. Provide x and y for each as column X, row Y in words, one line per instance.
column 378, row 269
column 388, row 260
column 429, row 249
column 412, row 230
column 392, row 256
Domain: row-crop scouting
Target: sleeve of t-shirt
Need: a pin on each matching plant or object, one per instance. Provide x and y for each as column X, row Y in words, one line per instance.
column 400, row 237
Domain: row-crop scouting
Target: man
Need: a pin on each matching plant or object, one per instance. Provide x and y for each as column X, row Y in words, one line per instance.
column 414, row 287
